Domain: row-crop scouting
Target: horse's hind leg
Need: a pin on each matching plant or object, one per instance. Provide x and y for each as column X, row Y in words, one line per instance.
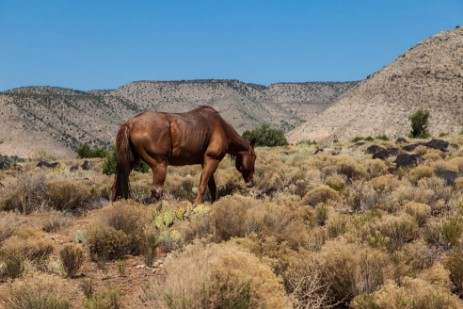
column 159, row 177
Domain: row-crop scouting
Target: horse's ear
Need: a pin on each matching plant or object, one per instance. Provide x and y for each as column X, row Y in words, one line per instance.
column 253, row 142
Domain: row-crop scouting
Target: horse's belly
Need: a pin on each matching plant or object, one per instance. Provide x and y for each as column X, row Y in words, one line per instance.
column 185, row 160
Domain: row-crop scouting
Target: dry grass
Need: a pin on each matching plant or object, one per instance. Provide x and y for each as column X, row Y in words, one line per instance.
column 413, row 294
column 238, row 216
column 317, row 230
column 39, row 292
column 216, row 276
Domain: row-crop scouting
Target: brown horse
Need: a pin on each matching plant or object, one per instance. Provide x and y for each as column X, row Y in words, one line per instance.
column 200, row 136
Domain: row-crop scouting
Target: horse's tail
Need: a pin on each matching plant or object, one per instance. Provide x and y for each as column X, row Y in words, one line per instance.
column 124, row 158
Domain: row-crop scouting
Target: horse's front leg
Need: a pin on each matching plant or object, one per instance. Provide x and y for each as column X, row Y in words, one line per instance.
column 159, row 177
column 207, row 178
column 212, row 188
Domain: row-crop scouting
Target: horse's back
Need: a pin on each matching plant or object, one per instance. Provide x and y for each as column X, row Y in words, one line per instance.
column 176, row 138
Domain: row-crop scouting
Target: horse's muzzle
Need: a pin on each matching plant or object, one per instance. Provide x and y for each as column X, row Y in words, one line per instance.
column 250, row 183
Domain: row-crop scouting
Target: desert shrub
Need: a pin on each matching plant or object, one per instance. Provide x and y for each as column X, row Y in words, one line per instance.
column 419, row 123
column 238, row 216
column 409, row 193
column 321, row 194
column 7, row 161
column 306, row 286
column 27, row 245
column 454, row 264
column 182, row 186
column 336, row 225
column 107, row 299
column 413, row 294
column 149, row 246
column 71, row 258
column 129, row 218
column 385, row 183
column 13, row 265
column 36, row 293
column 457, row 163
column 266, row 136
column 444, row 233
column 321, row 214
column 444, row 166
column 375, row 168
column 54, row 222
column 362, row 196
column 439, row 194
column 420, row 212
column 197, row 226
column 419, row 172
column 346, row 274
column 64, row 195
column 396, row 230
column 335, row 182
column 459, row 183
column 278, row 255
column 351, row 169
column 9, row 223
column 27, row 194
column 437, row 275
column 216, row 276
column 88, row 288
column 412, row 259
column 119, row 230
column 105, row 242
column 84, row 151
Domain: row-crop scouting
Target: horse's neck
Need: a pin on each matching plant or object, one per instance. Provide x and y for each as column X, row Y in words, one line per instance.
column 236, row 143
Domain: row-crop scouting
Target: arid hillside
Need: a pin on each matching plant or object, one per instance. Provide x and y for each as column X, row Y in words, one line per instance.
column 58, row 120
column 429, row 75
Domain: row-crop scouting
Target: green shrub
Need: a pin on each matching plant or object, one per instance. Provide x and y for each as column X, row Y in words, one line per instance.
column 383, row 137
column 419, row 123
column 109, row 164
column 84, row 151
column 266, row 136
column 357, row 139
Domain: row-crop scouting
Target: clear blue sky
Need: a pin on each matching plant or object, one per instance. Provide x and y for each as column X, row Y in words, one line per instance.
column 102, row 44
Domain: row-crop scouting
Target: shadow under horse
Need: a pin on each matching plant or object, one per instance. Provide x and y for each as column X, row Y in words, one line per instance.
column 200, row 136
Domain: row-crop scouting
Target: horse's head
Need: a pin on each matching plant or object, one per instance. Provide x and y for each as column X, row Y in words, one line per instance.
column 244, row 163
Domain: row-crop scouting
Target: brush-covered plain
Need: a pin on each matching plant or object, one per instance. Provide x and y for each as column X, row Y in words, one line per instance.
column 335, row 229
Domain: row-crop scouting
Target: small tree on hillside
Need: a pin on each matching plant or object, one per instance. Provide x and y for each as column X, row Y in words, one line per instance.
column 266, row 136
column 419, row 122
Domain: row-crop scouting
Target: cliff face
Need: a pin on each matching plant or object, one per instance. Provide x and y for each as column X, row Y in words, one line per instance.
column 429, row 76
column 58, row 120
